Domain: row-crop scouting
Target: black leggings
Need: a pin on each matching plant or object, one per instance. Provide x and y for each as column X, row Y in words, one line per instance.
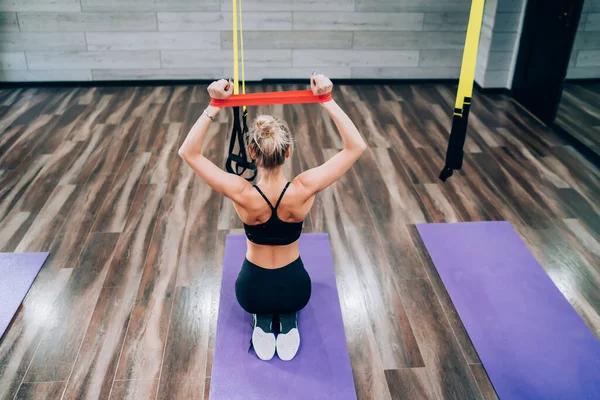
column 273, row 291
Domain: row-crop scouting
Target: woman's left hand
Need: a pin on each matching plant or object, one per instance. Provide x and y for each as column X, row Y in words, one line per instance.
column 220, row 89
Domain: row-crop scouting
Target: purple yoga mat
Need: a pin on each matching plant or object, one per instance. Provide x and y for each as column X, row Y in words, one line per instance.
column 17, row 273
column 321, row 369
column 532, row 343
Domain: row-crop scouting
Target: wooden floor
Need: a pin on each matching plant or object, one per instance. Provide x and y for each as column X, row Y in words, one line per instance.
column 579, row 113
column 125, row 308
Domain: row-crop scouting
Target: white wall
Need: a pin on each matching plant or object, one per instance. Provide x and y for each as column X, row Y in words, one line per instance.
column 585, row 57
column 73, row 40
column 499, row 43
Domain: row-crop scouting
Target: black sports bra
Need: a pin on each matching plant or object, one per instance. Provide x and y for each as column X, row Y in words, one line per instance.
column 274, row 232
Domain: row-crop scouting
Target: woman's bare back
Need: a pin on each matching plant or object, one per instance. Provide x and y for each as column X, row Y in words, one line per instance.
column 295, row 206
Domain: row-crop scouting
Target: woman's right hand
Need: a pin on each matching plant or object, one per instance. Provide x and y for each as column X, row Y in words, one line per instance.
column 220, row 89
column 320, row 84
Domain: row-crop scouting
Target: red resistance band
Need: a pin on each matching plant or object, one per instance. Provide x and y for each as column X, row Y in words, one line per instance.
column 266, row 98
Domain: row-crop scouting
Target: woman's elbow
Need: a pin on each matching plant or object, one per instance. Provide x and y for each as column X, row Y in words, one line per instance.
column 182, row 152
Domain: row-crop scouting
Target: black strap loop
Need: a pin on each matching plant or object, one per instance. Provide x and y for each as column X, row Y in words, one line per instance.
column 239, row 163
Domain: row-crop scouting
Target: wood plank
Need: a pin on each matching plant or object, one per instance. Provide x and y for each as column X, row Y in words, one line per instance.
column 113, row 41
column 356, row 58
column 450, row 375
column 410, row 40
column 409, row 383
column 397, row 345
column 143, row 349
column 483, row 381
column 184, row 365
column 290, row 40
column 9, row 22
column 21, row 341
column 41, row 390
column 44, row 60
column 150, row 5
column 34, row 41
column 87, row 21
column 356, row 21
column 221, row 21
column 72, row 312
column 49, row 220
column 40, row 5
column 113, row 215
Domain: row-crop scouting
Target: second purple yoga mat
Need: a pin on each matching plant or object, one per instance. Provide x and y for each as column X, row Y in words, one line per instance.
column 17, row 273
column 532, row 343
column 321, row 369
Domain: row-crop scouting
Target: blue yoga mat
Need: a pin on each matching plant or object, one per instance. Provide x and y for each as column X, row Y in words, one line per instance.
column 532, row 343
column 320, row 370
column 17, row 273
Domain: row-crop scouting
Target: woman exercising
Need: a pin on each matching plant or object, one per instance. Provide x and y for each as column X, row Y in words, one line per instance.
column 272, row 281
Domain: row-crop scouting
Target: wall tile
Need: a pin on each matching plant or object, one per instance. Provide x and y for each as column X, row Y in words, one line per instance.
column 587, row 41
column 90, row 22
column 336, row 21
column 27, row 41
column 510, row 6
column 157, row 74
column 583, row 73
column 40, row 5
column 63, row 75
column 499, row 61
column 496, row 79
column 221, row 58
column 93, row 60
column 507, row 22
column 153, row 40
column 593, row 22
column 257, row 74
column 503, row 41
column 588, row 58
column 355, row 58
column 409, row 40
column 406, row 73
column 292, row 5
column 150, row 5
column 414, row 5
column 15, row 60
column 592, row 6
column 266, row 21
column 8, row 22
column 290, row 40
column 444, row 22
column 440, row 58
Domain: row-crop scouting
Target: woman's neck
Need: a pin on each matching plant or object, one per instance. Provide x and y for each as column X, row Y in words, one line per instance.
column 271, row 177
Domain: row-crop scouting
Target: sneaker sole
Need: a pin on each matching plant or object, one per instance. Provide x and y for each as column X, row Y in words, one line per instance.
column 288, row 344
column 264, row 344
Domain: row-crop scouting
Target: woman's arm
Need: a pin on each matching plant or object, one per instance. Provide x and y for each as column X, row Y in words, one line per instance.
column 317, row 179
column 225, row 183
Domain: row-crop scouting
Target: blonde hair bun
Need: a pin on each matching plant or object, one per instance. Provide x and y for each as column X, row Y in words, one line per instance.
column 269, row 138
column 266, row 125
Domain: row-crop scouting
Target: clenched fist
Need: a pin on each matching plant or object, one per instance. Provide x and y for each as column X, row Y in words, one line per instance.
column 220, row 89
column 320, row 84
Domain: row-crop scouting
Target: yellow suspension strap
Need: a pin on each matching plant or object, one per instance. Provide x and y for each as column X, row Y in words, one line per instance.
column 458, row 134
column 239, row 162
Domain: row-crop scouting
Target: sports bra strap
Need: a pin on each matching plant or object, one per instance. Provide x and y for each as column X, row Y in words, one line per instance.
column 264, row 197
column 281, row 196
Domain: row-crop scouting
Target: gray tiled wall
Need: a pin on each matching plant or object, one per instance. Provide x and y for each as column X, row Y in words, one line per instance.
column 585, row 57
column 192, row 39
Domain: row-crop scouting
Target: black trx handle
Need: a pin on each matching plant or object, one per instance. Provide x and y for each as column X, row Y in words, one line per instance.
column 458, row 135
column 239, row 163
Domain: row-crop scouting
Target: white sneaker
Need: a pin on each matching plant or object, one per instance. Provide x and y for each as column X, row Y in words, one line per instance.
column 288, row 340
column 263, row 338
